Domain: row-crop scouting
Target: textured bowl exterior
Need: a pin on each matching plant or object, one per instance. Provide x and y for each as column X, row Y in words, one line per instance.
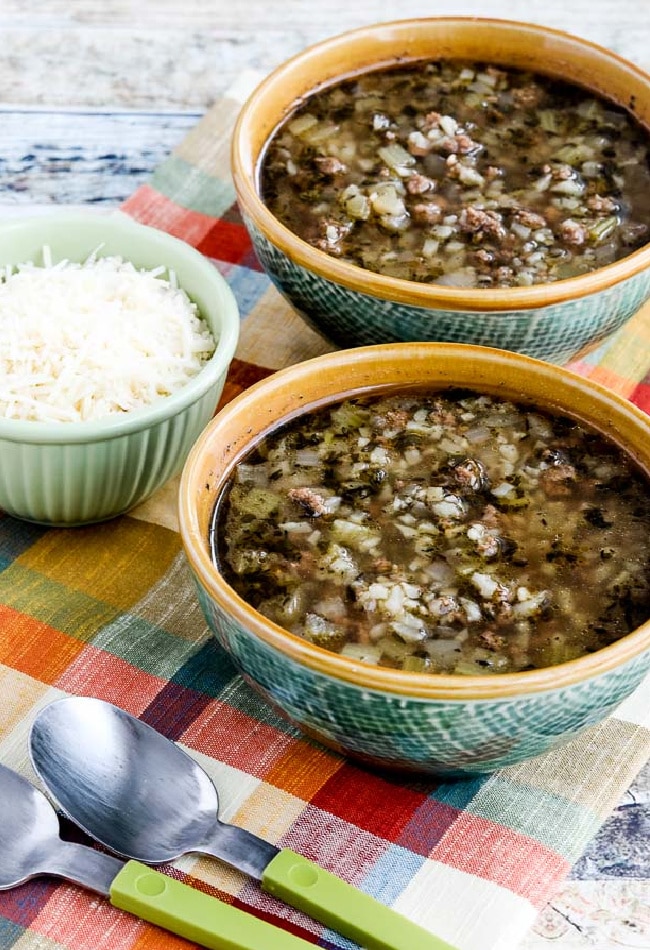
column 78, row 483
column 351, row 306
column 442, row 737
column 349, row 317
column 444, row 725
column 68, row 474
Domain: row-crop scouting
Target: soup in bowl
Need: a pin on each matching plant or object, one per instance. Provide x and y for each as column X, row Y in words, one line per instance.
column 452, row 179
column 399, row 564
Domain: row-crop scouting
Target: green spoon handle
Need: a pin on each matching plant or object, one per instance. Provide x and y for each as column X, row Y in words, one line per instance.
column 190, row 913
column 342, row 907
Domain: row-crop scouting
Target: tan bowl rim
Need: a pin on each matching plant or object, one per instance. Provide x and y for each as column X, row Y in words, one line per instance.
column 493, row 301
column 415, row 685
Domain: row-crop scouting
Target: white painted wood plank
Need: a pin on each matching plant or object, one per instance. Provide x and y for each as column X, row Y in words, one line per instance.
column 77, row 158
column 61, row 67
column 594, row 17
column 181, row 54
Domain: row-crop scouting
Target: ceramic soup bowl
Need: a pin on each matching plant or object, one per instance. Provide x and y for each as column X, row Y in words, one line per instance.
column 443, row 724
column 353, row 306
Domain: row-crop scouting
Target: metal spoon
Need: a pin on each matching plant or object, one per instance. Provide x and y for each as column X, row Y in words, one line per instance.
column 141, row 796
column 30, row 846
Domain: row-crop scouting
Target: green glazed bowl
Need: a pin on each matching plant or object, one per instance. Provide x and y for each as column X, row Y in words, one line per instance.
column 74, row 473
column 451, row 725
column 352, row 306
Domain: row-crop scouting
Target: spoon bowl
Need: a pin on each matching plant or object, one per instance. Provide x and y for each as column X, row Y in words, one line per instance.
column 143, row 797
column 133, row 790
column 30, row 846
column 29, row 832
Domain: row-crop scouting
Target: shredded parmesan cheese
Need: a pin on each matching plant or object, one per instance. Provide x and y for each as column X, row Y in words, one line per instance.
column 82, row 341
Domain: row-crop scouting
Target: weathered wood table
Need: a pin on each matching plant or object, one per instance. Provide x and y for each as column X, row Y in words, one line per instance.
column 94, row 95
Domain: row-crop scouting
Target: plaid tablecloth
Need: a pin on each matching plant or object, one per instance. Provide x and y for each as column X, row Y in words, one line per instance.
column 110, row 611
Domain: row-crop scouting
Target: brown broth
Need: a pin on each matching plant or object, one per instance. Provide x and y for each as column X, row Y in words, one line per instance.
column 440, row 532
column 462, row 174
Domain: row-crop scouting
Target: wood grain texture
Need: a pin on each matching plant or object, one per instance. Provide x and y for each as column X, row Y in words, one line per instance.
column 93, row 95
column 86, row 53
column 51, row 157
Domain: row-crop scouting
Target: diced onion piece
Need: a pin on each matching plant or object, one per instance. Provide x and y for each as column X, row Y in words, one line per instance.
column 363, row 652
column 302, row 123
column 396, row 157
column 485, row 584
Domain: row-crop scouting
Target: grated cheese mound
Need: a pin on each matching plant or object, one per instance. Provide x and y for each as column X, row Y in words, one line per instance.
column 82, row 341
